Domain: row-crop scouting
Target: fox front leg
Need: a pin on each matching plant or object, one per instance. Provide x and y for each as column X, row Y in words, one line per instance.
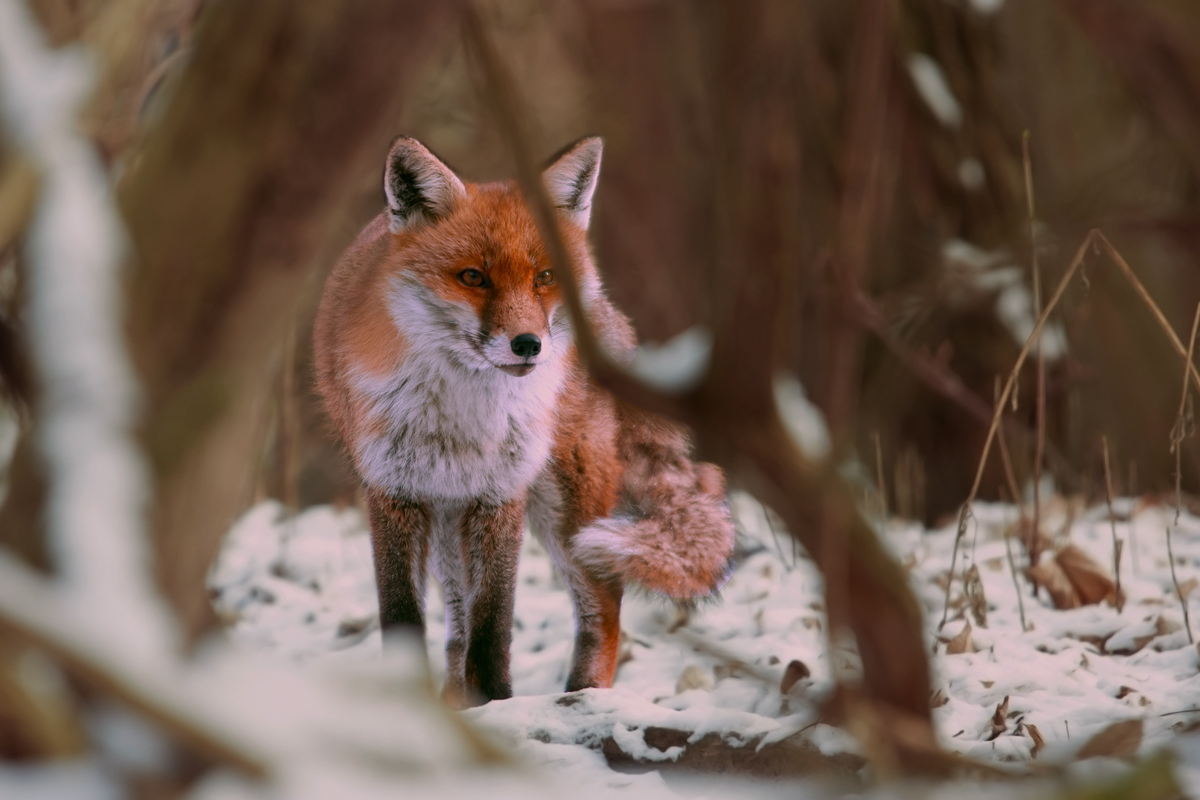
column 400, row 544
column 598, row 629
column 491, row 541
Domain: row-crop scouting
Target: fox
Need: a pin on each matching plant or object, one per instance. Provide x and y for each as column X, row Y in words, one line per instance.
column 447, row 363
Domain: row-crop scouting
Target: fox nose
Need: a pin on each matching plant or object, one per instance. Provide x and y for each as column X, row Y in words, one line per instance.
column 526, row 345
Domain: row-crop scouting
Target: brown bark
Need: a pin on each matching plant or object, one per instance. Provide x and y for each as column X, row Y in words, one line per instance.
column 231, row 204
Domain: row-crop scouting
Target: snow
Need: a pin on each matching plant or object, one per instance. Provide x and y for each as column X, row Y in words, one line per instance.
column 971, row 174
column 676, row 365
column 301, row 588
column 931, row 84
column 803, row 420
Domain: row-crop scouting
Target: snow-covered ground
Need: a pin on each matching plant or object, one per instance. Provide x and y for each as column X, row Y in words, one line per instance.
column 302, row 589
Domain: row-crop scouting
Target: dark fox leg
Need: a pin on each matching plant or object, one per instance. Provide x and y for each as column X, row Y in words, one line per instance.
column 597, row 630
column 400, row 543
column 597, row 599
column 491, row 541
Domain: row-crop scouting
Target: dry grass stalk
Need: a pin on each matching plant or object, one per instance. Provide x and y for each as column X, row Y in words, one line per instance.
column 1031, row 539
column 1133, row 548
column 1094, row 237
column 1184, row 423
column 963, row 515
column 1117, row 544
column 883, row 500
column 1012, row 566
column 1040, row 442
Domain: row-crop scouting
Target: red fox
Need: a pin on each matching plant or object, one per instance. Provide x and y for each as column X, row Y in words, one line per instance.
column 446, row 360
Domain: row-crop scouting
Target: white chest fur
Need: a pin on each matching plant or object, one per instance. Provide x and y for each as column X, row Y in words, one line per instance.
column 456, row 433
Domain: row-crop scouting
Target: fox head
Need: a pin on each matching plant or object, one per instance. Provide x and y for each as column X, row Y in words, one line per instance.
column 472, row 276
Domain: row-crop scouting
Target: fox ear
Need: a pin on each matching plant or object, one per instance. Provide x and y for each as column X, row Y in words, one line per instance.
column 571, row 179
column 419, row 188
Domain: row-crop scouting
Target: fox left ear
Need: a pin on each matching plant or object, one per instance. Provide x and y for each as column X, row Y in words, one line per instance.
column 571, row 179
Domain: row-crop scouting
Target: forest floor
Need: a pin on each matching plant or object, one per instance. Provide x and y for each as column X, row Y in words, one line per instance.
column 750, row 671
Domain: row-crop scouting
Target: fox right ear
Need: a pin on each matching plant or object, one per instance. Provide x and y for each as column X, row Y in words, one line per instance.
column 419, row 188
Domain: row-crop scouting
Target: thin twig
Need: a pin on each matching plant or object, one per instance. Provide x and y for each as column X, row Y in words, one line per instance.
column 1093, row 237
column 1113, row 522
column 775, row 538
column 1119, row 599
column 998, row 411
column 963, row 515
column 1180, row 431
column 1183, row 604
column 1133, row 495
column 1159, row 316
column 1022, row 523
column 883, row 503
column 1040, row 441
column 1012, row 568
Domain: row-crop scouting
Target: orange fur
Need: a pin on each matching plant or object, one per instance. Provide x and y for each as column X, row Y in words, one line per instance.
column 457, row 427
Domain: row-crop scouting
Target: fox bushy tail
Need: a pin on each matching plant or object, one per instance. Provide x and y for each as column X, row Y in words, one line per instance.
column 674, row 534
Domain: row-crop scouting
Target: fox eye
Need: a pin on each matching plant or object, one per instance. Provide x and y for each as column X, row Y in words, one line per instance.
column 545, row 278
column 471, row 277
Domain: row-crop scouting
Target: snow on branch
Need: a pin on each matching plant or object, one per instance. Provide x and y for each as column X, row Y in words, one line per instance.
column 88, row 397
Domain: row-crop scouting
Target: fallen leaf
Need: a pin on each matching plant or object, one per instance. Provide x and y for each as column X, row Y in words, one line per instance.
column 796, row 671
column 999, row 719
column 1091, row 580
column 1038, row 741
column 1119, row 740
column 1049, row 574
column 1187, row 587
column 938, row 699
column 976, row 601
column 693, row 677
column 962, row 643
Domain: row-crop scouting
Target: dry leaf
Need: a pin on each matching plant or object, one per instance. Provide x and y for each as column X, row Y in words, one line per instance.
column 973, row 587
column 1050, row 575
column 1000, row 719
column 1038, row 741
column 1187, row 586
column 796, row 671
column 1091, row 580
column 938, row 699
column 1119, row 740
column 693, row 677
column 961, row 643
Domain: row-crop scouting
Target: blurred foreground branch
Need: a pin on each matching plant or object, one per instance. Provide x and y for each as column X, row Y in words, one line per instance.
column 733, row 410
column 32, row 610
column 281, row 111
